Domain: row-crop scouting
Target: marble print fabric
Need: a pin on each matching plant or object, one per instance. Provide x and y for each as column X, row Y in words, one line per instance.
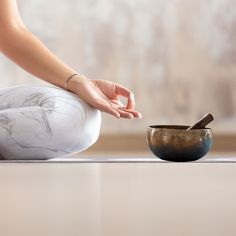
column 43, row 122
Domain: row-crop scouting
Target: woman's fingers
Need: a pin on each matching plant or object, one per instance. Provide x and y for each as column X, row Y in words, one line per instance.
column 125, row 114
column 115, row 107
column 117, row 111
column 126, row 93
column 108, row 108
column 135, row 114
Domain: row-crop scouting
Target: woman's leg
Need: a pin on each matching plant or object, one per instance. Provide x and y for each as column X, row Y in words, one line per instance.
column 42, row 122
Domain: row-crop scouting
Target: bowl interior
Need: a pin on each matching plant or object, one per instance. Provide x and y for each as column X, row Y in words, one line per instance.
column 176, row 127
column 181, row 127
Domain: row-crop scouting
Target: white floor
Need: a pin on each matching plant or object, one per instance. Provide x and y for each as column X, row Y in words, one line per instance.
column 117, row 198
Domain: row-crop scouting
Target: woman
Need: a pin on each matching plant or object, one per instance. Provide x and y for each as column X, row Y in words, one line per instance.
column 43, row 122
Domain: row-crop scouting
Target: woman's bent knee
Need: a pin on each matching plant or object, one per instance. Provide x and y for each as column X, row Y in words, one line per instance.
column 83, row 133
column 75, row 124
column 59, row 123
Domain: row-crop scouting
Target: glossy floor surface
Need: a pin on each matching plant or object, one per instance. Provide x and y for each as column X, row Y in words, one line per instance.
column 113, row 198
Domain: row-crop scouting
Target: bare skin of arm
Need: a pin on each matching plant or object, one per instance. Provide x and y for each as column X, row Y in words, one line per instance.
column 27, row 51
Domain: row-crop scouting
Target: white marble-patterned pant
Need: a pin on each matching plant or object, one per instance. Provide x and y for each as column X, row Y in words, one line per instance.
column 43, row 122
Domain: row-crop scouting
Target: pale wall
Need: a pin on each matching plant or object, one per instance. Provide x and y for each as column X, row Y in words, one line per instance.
column 178, row 56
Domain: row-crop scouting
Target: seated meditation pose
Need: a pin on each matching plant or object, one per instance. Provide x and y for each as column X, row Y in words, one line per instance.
column 44, row 122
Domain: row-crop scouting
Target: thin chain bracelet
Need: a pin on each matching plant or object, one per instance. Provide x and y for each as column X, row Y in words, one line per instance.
column 68, row 79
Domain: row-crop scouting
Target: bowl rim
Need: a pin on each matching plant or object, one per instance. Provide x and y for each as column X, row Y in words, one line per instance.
column 174, row 127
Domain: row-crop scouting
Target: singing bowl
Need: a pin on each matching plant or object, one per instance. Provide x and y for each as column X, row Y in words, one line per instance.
column 176, row 143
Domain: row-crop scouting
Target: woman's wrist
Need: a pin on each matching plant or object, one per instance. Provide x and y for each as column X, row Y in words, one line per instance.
column 74, row 81
column 68, row 79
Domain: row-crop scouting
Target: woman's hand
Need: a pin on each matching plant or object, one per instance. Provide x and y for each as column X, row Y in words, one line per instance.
column 104, row 95
column 26, row 50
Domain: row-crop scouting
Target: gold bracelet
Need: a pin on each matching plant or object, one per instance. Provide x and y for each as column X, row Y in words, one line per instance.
column 68, row 79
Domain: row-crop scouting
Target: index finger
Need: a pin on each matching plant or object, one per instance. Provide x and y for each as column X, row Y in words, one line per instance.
column 120, row 90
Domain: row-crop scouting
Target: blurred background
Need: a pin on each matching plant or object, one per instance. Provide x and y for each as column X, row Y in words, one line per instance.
column 177, row 56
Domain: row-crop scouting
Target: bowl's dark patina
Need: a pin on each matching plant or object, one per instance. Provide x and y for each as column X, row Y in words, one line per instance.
column 176, row 143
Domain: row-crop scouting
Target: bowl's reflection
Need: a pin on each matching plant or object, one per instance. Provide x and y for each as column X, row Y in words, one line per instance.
column 175, row 143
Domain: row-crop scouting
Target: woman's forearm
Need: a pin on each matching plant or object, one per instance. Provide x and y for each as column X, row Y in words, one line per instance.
column 26, row 50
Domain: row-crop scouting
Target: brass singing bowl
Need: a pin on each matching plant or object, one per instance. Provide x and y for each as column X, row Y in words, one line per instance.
column 176, row 143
